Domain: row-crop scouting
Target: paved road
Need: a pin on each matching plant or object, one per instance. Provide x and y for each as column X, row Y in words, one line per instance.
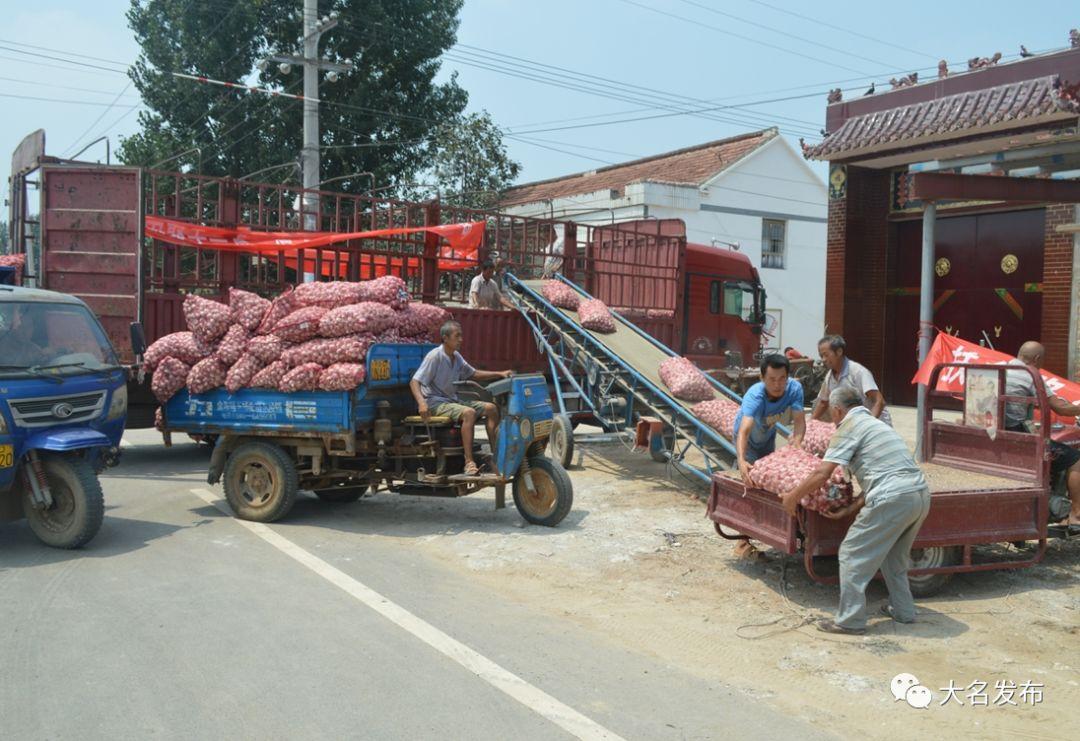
column 178, row 621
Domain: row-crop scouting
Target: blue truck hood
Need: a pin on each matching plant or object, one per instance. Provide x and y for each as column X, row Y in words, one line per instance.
column 17, row 394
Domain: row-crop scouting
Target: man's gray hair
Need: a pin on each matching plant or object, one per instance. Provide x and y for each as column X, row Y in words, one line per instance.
column 448, row 328
column 845, row 398
column 834, row 341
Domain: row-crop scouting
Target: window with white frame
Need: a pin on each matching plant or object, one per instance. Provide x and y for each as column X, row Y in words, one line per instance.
column 773, row 243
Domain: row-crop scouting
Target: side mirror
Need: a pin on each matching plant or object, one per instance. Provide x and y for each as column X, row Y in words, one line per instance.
column 138, row 339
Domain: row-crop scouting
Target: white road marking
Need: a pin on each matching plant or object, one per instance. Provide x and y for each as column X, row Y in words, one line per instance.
column 501, row 679
column 125, row 443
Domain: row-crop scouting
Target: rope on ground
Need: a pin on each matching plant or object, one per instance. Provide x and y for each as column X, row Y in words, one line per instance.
column 802, row 617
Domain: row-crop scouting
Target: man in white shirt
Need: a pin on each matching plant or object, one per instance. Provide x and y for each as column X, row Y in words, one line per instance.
column 484, row 292
column 844, row 372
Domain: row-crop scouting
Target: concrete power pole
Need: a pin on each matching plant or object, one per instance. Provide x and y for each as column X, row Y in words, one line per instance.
column 313, row 29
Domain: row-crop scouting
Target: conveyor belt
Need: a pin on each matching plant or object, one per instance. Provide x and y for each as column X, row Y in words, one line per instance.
column 617, row 376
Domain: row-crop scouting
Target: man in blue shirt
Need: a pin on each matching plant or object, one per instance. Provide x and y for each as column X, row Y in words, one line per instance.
column 774, row 400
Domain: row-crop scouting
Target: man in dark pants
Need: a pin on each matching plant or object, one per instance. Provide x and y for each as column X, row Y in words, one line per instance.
column 1018, row 416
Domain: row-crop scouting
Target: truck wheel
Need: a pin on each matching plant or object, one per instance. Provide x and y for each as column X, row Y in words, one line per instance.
column 927, row 585
column 78, row 504
column 561, row 442
column 260, row 482
column 553, row 493
column 341, row 494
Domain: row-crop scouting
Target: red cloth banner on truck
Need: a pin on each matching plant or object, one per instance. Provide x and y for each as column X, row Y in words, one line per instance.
column 949, row 349
column 459, row 252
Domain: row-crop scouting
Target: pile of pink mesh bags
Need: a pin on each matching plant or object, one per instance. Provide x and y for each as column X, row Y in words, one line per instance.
column 313, row 337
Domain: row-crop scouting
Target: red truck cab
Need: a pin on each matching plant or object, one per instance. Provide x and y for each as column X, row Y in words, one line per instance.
column 724, row 307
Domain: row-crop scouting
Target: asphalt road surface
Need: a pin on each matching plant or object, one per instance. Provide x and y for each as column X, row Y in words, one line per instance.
column 179, row 621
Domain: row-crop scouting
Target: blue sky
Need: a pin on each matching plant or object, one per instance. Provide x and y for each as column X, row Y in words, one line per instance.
column 728, row 52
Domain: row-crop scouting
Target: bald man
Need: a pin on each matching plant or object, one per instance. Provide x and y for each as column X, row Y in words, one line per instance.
column 1019, row 414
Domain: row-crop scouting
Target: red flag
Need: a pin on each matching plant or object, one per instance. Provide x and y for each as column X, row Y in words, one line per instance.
column 949, row 349
column 458, row 253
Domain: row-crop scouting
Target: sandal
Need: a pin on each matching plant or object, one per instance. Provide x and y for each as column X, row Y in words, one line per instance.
column 471, row 469
column 886, row 610
column 828, row 626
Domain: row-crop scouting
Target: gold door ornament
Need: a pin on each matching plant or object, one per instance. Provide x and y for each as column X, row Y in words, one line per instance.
column 942, row 267
column 1009, row 264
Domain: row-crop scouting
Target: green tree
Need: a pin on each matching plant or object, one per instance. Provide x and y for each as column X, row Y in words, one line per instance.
column 387, row 117
column 468, row 162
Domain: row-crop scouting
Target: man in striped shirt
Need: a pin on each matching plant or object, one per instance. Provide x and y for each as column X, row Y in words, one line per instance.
column 894, row 502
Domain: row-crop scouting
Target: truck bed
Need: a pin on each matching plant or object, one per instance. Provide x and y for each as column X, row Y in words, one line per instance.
column 966, row 508
column 943, row 479
column 301, row 413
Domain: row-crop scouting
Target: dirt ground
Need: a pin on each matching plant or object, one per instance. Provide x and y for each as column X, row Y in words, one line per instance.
column 637, row 561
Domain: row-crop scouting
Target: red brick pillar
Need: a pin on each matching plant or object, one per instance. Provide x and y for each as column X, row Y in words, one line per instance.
column 1057, row 301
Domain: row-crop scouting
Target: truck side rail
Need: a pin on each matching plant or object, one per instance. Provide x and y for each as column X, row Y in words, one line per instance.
column 1022, row 456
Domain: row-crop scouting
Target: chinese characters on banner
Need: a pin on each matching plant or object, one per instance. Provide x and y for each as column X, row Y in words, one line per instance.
column 949, row 349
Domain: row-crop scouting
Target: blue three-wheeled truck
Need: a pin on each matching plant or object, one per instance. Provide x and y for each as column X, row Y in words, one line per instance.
column 345, row 444
column 63, row 404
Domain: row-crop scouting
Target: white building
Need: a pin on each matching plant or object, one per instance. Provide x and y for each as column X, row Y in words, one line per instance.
column 752, row 189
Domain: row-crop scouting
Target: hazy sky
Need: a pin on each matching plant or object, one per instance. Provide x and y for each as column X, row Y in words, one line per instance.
column 716, row 54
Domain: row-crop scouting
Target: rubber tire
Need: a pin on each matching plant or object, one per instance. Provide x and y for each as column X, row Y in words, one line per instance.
column 564, row 492
column 928, row 585
column 561, row 441
column 283, row 478
column 342, row 494
column 76, row 477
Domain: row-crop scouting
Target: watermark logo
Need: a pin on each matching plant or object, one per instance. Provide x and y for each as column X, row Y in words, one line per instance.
column 906, row 687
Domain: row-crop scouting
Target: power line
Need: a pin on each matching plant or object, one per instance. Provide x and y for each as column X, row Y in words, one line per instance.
column 96, row 120
column 841, row 28
column 529, row 62
column 64, row 100
column 36, row 63
column 613, row 96
column 37, row 83
column 680, row 113
column 61, row 59
column 751, row 39
column 788, row 34
column 62, row 51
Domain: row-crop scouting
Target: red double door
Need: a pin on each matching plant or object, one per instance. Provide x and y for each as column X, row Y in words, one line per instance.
column 987, row 287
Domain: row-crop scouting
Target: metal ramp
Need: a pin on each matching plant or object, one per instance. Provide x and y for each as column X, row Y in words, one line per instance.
column 615, row 378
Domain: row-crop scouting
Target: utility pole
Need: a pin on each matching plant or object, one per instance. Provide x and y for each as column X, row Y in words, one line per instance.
column 313, row 29
column 309, row 155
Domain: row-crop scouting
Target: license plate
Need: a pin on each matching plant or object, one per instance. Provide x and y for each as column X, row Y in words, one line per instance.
column 380, row 370
column 7, row 456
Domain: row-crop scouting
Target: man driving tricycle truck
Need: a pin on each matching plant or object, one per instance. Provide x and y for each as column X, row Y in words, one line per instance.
column 433, row 387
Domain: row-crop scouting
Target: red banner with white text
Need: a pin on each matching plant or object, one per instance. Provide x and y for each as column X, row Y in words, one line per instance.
column 949, row 349
column 459, row 251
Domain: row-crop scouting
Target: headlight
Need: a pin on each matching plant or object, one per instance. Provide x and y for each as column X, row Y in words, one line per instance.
column 118, row 405
column 3, row 424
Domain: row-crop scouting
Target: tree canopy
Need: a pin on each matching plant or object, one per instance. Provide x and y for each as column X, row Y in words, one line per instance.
column 388, row 122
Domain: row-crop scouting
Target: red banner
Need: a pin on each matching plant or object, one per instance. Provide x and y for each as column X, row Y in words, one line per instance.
column 949, row 349
column 460, row 251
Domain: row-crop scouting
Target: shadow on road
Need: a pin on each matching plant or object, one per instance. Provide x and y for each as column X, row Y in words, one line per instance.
column 20, row 548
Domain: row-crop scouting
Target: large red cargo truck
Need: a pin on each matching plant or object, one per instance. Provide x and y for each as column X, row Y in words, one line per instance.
column 701, row 301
